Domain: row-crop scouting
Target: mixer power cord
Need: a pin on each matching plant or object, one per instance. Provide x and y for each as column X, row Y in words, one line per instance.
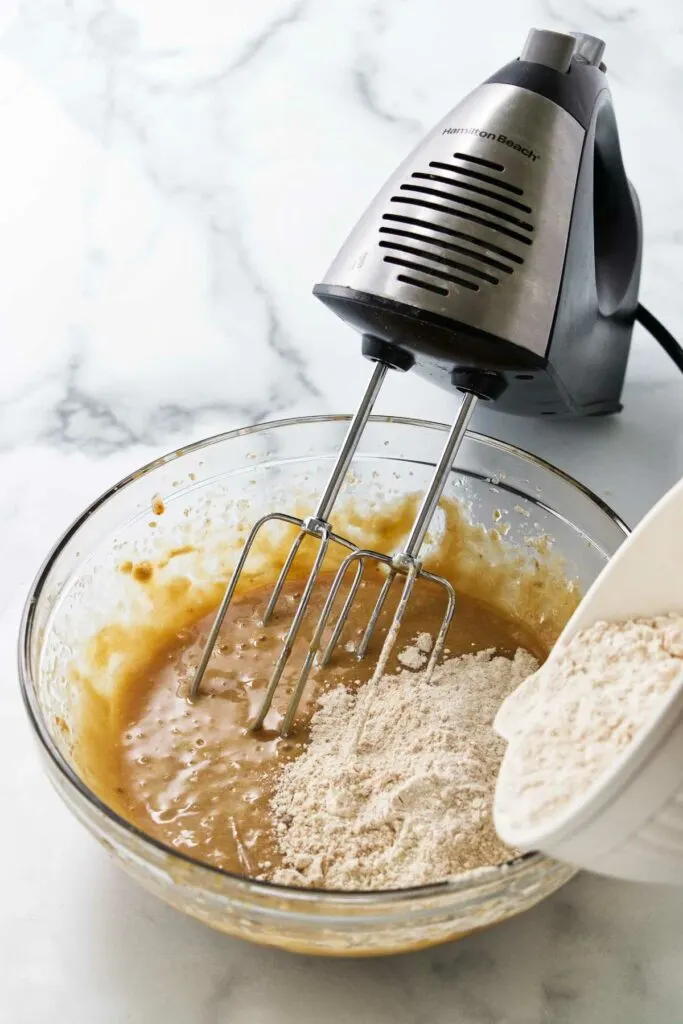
column 660, row 334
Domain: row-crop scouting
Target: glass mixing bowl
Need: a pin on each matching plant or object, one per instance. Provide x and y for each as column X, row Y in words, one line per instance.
column 238, row 476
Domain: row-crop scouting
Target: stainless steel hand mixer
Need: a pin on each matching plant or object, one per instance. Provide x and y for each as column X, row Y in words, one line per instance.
column 502, row 261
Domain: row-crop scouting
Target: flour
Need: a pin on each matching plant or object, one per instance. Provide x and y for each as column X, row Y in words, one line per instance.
column 416, row 657
column 411, row 804
column 412, row 658
column 571, row 720
column 424, row 643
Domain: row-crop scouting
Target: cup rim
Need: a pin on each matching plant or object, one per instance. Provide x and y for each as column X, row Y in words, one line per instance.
column 469, row 881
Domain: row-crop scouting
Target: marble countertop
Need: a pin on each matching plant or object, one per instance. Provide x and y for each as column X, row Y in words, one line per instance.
column 174, row 177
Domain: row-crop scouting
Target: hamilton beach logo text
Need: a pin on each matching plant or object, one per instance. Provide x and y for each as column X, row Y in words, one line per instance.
column 495, row 137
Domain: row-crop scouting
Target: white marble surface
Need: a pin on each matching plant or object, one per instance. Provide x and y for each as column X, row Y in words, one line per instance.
column 173, row 179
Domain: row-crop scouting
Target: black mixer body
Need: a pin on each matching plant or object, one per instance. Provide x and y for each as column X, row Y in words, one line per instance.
column 503, row 256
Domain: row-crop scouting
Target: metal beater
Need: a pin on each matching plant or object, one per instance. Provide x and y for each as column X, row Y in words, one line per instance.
column 501, row 260
column 405, row 562
column 316, row 525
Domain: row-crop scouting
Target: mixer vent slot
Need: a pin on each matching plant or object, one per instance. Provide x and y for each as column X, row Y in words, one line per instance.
column 440, row 275
column 478, row 176
column 437, row 289
column 479, row 160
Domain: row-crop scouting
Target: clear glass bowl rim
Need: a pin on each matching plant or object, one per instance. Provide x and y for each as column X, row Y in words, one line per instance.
column 329, row 896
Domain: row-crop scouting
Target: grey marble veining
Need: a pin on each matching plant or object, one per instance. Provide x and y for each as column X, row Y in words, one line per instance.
column 175, row 177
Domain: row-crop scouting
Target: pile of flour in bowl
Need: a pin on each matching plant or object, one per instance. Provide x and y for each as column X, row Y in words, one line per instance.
column 410, row 802
column 570, row 721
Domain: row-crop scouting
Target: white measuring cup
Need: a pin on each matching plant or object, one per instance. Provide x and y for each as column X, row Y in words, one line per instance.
column 629, row 823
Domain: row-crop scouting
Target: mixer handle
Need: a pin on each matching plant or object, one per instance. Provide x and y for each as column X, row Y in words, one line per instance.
column 617, row 231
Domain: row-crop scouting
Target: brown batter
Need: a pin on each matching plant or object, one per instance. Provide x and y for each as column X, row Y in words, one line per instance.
column 192, row 775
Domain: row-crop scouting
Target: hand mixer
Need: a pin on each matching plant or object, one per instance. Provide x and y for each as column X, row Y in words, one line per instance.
column 502, row 261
